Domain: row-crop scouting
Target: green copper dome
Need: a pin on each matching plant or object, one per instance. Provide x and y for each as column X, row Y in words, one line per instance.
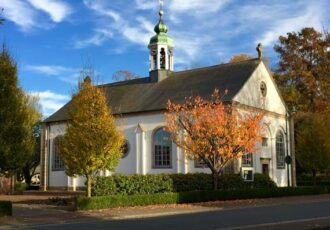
column 161, row 27
column 161, row 30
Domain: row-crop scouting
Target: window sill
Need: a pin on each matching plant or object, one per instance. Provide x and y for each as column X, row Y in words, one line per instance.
column 58, row 170
column 157, row 167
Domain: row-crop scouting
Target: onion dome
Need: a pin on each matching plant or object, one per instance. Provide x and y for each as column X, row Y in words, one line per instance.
column 161, row 30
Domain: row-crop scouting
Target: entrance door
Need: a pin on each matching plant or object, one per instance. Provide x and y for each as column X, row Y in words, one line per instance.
column 265, row 169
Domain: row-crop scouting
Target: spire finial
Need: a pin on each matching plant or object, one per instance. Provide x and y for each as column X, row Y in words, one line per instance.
column 161, row 5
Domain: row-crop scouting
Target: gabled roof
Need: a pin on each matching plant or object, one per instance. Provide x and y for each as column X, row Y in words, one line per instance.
column 142, row 95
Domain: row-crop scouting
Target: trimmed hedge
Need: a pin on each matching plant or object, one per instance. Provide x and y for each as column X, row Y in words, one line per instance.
column 307, row 180
column 6, row 208
column 190, row 182
column 102, row 202
column 119, row 184
column 262, row 181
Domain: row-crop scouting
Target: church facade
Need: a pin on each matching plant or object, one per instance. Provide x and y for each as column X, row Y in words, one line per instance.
column 139, row 107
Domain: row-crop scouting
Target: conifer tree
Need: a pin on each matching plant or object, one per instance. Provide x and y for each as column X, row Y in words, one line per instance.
column 12, row 134
column 92, row 142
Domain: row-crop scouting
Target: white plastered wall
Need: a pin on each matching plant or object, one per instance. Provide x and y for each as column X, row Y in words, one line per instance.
column 273, row 121
column 138, row 131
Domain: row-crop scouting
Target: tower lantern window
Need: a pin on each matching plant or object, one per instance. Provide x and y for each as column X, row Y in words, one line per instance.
column 162, row 59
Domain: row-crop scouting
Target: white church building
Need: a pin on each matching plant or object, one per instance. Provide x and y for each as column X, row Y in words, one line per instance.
column 140, row 104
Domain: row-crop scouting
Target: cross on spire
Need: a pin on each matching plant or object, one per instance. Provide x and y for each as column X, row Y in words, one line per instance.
column 161, row 4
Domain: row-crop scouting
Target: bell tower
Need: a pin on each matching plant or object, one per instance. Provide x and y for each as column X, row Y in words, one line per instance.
column 161, row 51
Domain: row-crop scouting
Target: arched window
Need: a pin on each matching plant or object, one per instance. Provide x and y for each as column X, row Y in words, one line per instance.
column 58, row 163
column 162, row 59
column 162, row 149
column 280, row 150
column 125, row 149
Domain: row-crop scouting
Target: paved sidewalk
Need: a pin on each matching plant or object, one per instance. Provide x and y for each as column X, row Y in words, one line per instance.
column 40, row 214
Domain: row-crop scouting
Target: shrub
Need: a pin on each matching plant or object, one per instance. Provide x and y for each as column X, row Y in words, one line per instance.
column 20, row 187
column 191, row 182
column 102, row 202
column 119, row 184
column 307, row 180
column 262, row 181
column 6, row 208
column 230, row 182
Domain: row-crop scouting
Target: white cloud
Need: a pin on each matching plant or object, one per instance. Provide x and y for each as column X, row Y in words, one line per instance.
column 27, row 13
column 196, row 7
column 146, row 4
column 66, row 74
column 140, row 32
column 56, row 9
column 100, row 9
column 205, row 31
column 53, row 70
column 50, row 101
column 97, row 39
column 311, row 17
column 19, row 12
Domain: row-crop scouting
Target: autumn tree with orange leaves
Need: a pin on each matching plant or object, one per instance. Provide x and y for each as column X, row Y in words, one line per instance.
column 211, row 131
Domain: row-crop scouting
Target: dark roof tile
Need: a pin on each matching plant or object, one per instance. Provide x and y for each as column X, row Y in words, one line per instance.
column 141, row 95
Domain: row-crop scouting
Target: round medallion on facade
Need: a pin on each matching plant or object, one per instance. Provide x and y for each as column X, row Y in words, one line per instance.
column 263, row 89
column 125, row 149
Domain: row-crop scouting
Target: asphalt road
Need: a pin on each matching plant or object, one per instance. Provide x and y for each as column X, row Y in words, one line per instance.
column 309, row 215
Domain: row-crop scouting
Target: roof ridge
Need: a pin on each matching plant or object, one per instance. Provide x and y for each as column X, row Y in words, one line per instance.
column 125, row 82
column 218, row 65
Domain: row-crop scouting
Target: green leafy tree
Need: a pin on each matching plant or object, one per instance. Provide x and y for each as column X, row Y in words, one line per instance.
column 313, row 149
column 32, row 139
column 92, row 142
column 19, row 146
column 12, row 133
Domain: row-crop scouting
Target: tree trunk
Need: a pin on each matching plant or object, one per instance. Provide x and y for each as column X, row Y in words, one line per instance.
column 314, row 177
column 27, row 176
column 12, row 185
column 89, row 186
column 215, row 180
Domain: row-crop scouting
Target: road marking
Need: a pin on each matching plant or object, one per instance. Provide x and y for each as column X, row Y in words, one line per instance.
column 275, row 223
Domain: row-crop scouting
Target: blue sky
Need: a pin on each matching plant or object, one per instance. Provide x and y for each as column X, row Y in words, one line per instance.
column 54, row 40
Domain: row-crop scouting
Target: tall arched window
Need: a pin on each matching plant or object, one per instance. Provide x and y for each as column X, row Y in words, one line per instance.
column 162, row 149
column 58, row 163
column 280, row 150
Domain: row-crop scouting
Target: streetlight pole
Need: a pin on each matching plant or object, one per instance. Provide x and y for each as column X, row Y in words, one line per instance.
column 290, row 159
column 287, row 157
column 292, row 145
